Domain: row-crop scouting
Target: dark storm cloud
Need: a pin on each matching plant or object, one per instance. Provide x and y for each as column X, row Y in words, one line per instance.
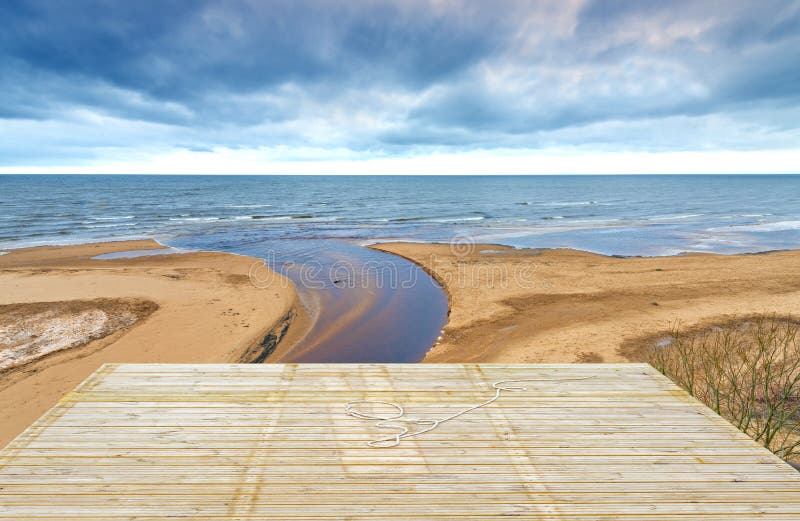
column 394, row 75
column 184, row 50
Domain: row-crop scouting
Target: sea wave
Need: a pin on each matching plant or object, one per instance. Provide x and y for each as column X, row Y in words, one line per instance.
column 407, row 219
column 573, row 203
column 457, row 219
column 743, row 215
column 779, row 226
column 438, row 219
column 258, row 217
column 194, row 219
column 91, row 225
column 679, row 217
column 596, row 221
column 509, row 221
column 269, row 217
column 314, row 218
column 563, row 203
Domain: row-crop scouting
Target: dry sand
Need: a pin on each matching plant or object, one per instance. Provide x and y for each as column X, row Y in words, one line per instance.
column 544, row 306
column 195, row 307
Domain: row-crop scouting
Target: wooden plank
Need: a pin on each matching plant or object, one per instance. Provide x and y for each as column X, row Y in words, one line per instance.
column 228, row 441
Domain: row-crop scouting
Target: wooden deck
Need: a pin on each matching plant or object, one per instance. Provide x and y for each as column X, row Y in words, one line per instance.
column 227, row 442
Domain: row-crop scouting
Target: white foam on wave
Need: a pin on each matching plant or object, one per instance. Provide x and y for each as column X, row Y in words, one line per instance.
column 194, row 219
column 118, row 225
column 679, row 217
column 778, row 226
column 575, row 203
column 748, row 215
column 510, row 221
column 595, row 222
column 113, row 218
column 729, row 243
column 260, row 218
column 77, row 239
column 454, row 219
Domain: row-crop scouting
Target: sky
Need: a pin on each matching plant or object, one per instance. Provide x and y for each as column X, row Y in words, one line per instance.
column 411, row 86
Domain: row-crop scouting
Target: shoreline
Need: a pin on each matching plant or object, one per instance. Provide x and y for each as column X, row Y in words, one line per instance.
column 580, row 306
column 376, row 245
column 202, row 308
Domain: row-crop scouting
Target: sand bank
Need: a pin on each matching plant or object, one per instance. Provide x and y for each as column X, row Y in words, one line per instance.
column 510, row 305
column 195, row 307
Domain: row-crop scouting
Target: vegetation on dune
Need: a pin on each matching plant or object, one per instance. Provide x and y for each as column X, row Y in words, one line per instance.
column 747, row 370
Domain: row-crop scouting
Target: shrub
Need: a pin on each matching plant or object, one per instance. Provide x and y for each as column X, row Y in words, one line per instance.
column 748, row 371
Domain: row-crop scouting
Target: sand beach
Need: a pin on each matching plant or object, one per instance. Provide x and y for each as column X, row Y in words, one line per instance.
column 540, row 306
column 195, row 307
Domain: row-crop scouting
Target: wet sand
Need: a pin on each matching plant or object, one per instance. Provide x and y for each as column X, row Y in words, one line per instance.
column 196, row 307
column 510, row 305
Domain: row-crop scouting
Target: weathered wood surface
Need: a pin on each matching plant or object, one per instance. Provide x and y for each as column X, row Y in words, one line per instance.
column 224, row 442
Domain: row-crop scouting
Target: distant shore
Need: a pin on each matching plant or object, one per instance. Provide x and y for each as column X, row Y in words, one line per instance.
column 529, row 305
column 191, row 307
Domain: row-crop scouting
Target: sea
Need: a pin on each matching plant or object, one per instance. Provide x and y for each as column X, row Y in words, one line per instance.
column 647, row 215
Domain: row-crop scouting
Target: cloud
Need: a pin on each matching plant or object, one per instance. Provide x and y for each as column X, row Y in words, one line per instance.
column 89, row 80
